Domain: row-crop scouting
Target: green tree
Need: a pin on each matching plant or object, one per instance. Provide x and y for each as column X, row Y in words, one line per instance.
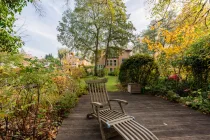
column 81, row 29
column 94, row 25
column 62, row 53
column 153, row 33
column 118, row 29
column 9, row 41
column 193, row 11
column 49, row 56
column 197, row 62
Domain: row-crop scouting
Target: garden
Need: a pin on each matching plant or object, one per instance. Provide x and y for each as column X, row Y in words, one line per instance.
column 35, row 97
column 170, row 59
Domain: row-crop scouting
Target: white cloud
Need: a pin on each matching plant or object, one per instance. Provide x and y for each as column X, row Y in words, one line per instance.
column 139, row 19
column 34, row 52
column 42, row 33
column 126, row 1
column 55, row 8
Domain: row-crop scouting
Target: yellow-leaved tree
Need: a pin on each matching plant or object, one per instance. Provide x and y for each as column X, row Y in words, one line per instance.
column 170, row 45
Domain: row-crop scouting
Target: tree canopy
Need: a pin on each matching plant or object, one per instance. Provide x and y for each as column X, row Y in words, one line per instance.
column 190, row 23
column 94, row 25
column 9, row 41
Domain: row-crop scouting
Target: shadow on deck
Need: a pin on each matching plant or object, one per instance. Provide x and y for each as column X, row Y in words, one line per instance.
column 168, row 121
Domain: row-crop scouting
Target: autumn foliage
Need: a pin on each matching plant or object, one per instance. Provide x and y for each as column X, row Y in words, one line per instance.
column 34, row 98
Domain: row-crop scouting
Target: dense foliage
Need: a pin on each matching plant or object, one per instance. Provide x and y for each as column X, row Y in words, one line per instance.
column 9, row 41
column 95, row 25
column 140, row 69
column 178, row 38
column 34, row 97
column 192, row 86
column 197, row 62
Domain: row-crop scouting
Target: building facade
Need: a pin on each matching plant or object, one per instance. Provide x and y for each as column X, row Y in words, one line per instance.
column 75, row 61
column 114, row 61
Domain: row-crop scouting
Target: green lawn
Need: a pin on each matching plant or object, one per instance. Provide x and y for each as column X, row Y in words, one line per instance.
column 111, row 85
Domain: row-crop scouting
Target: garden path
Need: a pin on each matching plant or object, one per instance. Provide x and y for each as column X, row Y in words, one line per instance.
column 167, row 120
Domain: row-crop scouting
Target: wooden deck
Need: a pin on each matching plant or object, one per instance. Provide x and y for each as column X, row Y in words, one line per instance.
column 168, row 121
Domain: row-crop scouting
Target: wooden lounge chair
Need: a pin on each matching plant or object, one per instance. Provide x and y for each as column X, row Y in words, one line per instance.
column 124, row 124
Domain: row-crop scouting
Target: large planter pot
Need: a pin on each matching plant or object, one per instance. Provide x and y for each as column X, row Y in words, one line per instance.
column 209, row 96
column 134, row 88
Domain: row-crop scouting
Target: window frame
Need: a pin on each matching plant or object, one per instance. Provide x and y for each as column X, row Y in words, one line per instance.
column 110, row 63
column 115, row 62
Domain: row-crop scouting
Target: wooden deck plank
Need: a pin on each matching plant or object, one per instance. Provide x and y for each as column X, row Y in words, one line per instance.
column 167, row 120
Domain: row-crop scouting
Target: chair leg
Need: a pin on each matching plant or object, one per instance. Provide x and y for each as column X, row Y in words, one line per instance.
column 102, row 130
column 90, row 116
column 100, row 124
column 110, row 132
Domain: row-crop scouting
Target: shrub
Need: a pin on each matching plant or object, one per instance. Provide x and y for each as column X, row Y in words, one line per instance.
column 35, row 95
column 78, row 73
column 89, row 70
column 101, row 73
column 65, row 103
column 61, row 82
column 111, row 74
column 197, row 61
column 140, row 69
column 106, row 71
column 172, row 96
column 82, row 91
column 116, row 71
column 159, row 87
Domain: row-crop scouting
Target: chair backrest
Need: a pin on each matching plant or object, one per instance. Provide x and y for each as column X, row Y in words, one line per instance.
column 97, row 91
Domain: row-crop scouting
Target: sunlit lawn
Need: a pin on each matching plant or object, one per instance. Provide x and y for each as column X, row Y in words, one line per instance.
column 111, row 85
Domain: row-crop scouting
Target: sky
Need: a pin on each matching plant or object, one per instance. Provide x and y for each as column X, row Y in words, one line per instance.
column 39, row 32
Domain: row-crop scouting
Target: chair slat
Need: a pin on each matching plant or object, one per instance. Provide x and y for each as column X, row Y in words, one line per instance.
column 149, row 133
column 120, row 131
column 142, row 131
column 130, row 133
column 134, row 130
column 97, row 91
column 120, row 120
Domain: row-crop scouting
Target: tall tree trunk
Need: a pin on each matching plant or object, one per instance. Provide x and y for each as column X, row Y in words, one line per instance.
column 107, row 46
column 96, row 52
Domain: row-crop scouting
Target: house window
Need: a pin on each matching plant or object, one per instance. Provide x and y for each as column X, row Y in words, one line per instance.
column 110, row 63
column 115, row 62
column 107, row 62
column 99, row 66
column 110, row 69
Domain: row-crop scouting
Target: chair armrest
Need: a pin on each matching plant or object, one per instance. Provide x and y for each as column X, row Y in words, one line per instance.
column 97, row 104
column 119, row 101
